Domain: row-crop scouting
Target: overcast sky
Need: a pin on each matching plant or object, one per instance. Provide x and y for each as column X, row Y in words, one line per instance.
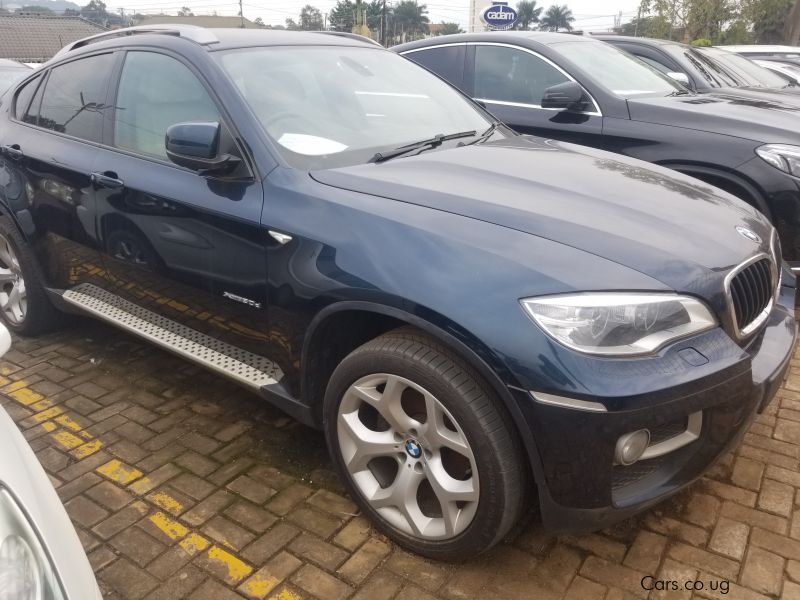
column 589, row 14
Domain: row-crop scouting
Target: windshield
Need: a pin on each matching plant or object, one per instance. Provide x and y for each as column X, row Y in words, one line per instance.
column 9, row 76
column 332, row 106
column 722, row 68
column 616, row 70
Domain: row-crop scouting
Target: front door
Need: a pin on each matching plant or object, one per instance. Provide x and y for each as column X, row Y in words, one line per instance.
column 185, row 246
column 511, row 81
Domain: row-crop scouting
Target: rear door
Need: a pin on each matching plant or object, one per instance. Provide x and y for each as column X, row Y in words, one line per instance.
column 49, row 144
column 184, row 246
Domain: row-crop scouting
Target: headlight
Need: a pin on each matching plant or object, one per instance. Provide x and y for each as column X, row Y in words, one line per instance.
column 25, row 570
column 782, row 156
column 617, row 324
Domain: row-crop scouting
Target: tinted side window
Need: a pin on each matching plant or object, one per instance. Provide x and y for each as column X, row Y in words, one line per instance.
column 512, row 75
column 446, row 62
column 157, row 91
column 24, row 97
column 654, row 63
column 75, row 97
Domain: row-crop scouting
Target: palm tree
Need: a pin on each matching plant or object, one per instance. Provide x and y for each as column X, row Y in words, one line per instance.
column 557, row 18
column 527, row 14
column 410, row 19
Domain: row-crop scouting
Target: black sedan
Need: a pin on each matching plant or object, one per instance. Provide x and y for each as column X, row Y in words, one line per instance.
column 703, row 69
column 586, row 91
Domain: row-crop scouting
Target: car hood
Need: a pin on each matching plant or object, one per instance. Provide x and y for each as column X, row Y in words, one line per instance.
column 658, row 222
column 759, row 115
column 23, row 476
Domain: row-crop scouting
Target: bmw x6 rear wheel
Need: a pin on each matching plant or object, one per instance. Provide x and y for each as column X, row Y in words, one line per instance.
column 424, row 446
column 24, row 305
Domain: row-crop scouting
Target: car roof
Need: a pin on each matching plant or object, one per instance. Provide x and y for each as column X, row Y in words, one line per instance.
column 6, row 63
column 765, row 48
column 540, row 37
column 608, row 37
column 213, row 39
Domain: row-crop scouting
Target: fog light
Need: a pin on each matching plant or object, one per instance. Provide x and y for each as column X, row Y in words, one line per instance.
column 631, row 446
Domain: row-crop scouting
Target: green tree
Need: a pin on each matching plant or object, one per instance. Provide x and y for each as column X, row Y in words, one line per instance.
column 311, row 19
column 449, row 29
column 342, row 16
column 768, row 19
column 527, row 14
column 410, row 20
column 95, row 11
column 557, row 18
column 259, row 21
column 185, row 12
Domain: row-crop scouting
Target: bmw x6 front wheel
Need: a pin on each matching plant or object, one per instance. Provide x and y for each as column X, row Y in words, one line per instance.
column 424, row 446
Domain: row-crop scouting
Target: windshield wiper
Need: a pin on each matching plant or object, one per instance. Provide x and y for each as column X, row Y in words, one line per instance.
column 433, row 142
column 484, row 136
column 680, row 93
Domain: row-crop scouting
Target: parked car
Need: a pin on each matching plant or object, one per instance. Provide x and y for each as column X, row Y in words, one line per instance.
column 582, row 90
column 40, row 554
column 790, row 71
column 11, row 72
column 766, row 52
column 461, row 309
column 704, row 69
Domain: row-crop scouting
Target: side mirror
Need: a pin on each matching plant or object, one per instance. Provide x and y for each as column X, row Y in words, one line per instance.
column 681, row 78
column 196, row 147
column 568, row 95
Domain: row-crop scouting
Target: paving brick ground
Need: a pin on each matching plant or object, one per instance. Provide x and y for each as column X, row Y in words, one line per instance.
column 183, row 486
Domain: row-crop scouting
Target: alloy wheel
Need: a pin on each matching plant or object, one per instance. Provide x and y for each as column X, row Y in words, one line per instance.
column 13, row 298
column 408, row 456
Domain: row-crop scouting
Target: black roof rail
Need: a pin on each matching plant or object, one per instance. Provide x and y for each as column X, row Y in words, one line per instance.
column 199, row 35
column 354, row 36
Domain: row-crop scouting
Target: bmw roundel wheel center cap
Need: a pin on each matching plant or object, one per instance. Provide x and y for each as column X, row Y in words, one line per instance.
column 413, row 448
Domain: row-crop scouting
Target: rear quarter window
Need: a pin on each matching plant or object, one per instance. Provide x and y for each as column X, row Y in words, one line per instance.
column 447, row 62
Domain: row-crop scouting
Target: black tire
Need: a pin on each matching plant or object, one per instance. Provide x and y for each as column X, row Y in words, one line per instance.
column 484, row 422
column 40, row 315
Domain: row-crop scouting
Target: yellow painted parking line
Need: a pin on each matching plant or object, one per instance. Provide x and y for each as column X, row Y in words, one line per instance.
column 237, row 569
column 194, row 544
column 25, row 395
column 68, row 423
column 67, row 440
column 17, row 385
column 86, row 449
column 167, row 502
column 141, row 486
column 171, row 528
column 42, row 404
column 48, row 426
column 259, row 585
column 118, row 471
column 46, row 415
column 285, row 594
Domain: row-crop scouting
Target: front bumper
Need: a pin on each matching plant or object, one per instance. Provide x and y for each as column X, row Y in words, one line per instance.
column 580, row 488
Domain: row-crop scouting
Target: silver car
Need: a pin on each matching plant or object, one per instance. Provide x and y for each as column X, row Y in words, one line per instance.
column 41, row 557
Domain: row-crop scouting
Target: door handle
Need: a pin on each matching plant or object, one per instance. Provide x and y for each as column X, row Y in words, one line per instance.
column 13, row 152
column 106, row 180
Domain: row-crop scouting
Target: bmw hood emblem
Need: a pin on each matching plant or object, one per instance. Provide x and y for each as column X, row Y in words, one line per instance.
column 748, row 233
column 413, row 448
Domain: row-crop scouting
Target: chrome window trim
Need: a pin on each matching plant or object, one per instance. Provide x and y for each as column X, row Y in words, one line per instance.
column 565, row 402
column 595, row 113
column 762, row 316
column 691, row 434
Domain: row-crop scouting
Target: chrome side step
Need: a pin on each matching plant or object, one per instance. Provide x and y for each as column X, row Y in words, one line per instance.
column 246, row 368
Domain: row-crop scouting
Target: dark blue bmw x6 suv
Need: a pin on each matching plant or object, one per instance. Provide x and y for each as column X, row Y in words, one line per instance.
column 479, row 321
